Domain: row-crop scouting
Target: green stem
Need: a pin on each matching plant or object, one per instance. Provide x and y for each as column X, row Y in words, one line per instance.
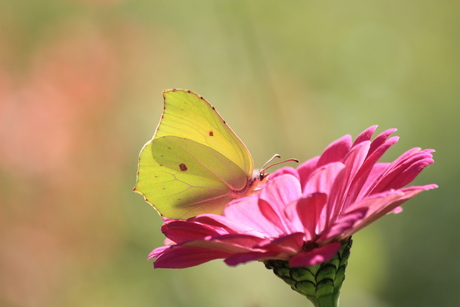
column 325, row 301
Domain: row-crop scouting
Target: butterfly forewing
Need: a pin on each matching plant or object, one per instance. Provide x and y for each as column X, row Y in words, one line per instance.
column 190, row 116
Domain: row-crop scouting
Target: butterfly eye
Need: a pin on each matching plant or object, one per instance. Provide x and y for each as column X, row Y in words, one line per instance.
column 262, row 175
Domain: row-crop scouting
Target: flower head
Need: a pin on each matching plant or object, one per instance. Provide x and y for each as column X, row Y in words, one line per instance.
column 301, row 215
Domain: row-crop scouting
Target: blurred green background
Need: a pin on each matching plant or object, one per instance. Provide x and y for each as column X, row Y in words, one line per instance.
column 80, row 93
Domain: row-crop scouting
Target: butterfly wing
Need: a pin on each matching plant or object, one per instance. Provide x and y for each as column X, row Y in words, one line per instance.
column 183, row 178
column 188, row 115
column 195, row 163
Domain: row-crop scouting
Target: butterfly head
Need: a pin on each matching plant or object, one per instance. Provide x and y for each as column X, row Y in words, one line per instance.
column 260, row 176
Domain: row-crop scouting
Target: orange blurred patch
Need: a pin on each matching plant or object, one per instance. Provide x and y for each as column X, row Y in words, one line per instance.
column 59, row 164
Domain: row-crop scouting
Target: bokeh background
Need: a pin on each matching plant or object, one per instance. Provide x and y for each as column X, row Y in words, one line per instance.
column 80, row 93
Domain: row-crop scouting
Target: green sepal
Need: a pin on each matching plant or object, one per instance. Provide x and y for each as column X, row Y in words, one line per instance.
column 320, row 283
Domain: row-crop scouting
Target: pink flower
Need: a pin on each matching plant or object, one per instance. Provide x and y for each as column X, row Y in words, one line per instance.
column 301, row 215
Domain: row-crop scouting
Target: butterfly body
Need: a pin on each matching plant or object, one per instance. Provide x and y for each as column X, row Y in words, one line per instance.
column 194, row 163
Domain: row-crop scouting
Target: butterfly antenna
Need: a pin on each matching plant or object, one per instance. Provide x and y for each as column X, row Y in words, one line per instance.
column 265, row 167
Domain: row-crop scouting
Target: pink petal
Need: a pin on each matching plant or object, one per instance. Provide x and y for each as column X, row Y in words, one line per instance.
column 246, row 212
column 365, row 135
column 280, row 192
column 343, row 224
column 361, row 182
column 381, row 204
column 179, row 231
column 403, row 170
column 316, row 256
column 228, row 224
column 177, row 257
column 336, row 151
column 322, row 180
column 157, row 251
column 340, row 190
column 308, row 210
column 306, row 169
column 289, row 244
column 241, row 258
column 381, row 139
column 285, row 171
column 376, row 172
column 229, row 243
column 409, row 170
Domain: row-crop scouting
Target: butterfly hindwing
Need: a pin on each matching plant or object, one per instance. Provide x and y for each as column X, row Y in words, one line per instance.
column 181, row 178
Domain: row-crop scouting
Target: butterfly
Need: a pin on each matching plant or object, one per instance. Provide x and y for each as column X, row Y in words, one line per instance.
column 195, row 163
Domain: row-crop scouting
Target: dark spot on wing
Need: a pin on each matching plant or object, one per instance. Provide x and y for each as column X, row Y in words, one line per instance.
column 211, row 133
column 183, row 167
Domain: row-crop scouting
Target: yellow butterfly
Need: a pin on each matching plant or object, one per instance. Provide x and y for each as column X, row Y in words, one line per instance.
column 194, row 163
